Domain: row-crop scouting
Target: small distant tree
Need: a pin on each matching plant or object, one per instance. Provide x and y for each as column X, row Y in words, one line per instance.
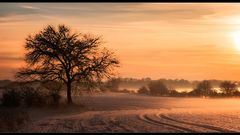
column 57, row 54
column 228, row 87
column 204, row 88
column 113, row 84
column 236, row 93
column 143, row 90
column 157, row 88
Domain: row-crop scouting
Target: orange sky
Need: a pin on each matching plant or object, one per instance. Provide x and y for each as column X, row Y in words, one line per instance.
column 190, row 41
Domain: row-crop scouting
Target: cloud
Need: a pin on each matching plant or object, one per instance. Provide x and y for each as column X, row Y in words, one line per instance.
column 11, row 9
column 133, row 12
column 12, row 19
column 122, row 13
column 10, row 56
column 109, row 12
column 29, row 7
column 11, row 12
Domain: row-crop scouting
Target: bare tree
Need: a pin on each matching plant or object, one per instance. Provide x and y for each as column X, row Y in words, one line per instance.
column 58, row 54
column 204, row 88
column 228, row 87
column 157, row 88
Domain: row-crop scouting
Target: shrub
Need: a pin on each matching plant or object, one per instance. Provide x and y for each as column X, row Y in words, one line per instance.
column 30, row 96
column 143, row 90
column 125, row 91
column 54, row 97
column 53, row 92
column 33, row 97
column 236, row 93
column 11, row 98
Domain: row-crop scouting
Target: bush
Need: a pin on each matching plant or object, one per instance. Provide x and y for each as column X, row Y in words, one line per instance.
column 33, row 97
column 30, row 96
column 53, row 97
column 236, row 93
column 11, row 98
column 125, row 91
column 53, row 92
column 143, row 90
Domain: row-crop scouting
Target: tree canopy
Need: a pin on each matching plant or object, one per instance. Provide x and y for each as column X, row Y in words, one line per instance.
column 58, row 54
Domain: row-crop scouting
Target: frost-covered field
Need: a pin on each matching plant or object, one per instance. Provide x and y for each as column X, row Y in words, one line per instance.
column 118, row 112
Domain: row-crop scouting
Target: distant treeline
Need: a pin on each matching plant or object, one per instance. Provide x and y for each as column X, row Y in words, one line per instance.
column 170, row 83
column 167, row 87
column 163, row 87
column 137, row 83
column 4, row 83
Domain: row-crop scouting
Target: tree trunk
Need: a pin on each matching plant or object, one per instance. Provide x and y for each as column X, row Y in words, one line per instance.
column 69, row 95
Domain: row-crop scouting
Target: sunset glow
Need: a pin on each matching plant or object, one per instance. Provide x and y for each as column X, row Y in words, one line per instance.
column 193, row 41
column 236, row 37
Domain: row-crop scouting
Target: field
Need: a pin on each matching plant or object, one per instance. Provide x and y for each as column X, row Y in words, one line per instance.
column 123, row 112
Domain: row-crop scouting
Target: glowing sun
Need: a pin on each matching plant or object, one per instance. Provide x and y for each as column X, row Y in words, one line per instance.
column 236, row 37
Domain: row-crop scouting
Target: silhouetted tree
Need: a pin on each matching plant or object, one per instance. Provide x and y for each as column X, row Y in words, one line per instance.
column 228, row 87
column 58, row 54
column 157, row 88
column 204, row 88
